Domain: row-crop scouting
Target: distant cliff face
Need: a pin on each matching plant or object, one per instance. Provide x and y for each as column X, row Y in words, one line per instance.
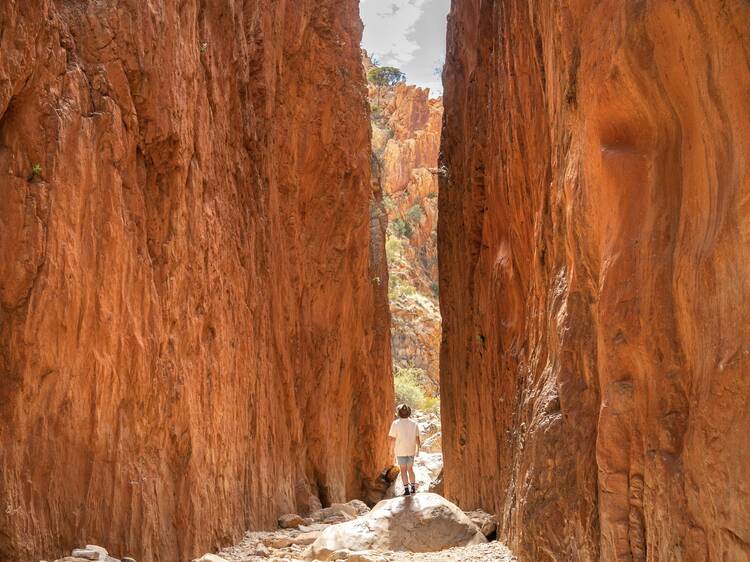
column 593, row 236
column 191, row 340
column 405, row 145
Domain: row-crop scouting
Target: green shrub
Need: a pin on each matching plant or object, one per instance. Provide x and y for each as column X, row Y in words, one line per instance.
column 435, row 289
column 402, row 228
column 431, row 405
column 414, row 214
column 432, row 195
column 407, row 388
column 36, row 172
column 390, row 205
column 393, row 249
column 399, row 288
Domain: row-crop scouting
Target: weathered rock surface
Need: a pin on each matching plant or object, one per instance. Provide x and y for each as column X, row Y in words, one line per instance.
column 419, row 523
column 290, row 520
column 486, row 522
column 594, row 240
column 187, row 272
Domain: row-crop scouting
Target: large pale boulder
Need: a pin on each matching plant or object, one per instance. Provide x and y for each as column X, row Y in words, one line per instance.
column 420, row 523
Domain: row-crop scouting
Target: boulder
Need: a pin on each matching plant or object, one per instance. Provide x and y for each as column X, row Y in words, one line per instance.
column 307, row 538
column 290, row 520
column 339, row 512
column 277, row 542
column 364, row 556
column 359, row 507
column 486, row 522
column 89, row 553
column 420, row 523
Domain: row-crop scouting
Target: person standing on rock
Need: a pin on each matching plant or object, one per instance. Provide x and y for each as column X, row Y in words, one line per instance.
column 405, row 443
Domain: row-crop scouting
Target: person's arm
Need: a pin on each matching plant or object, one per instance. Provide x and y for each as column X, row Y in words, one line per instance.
column 392, row 439
column 419, row 442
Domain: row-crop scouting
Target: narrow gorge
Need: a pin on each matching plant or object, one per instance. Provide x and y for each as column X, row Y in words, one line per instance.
column 220, row 242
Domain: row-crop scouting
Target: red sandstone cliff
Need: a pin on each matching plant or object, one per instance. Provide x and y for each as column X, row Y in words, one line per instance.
column 594, row 236
column 191, row 341
column 405, row 143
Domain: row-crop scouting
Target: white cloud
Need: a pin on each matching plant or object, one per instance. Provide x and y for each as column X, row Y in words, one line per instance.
column 388, row 24
column 409, row 34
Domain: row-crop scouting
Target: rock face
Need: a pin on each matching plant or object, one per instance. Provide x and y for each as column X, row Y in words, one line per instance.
column 419, row 523
column 191, row 340
column 594, row 236
column 405, row 144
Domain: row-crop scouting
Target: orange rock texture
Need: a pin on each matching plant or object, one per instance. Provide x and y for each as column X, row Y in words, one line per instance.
column 191, row 341
column 406, row 126
column 593, row 245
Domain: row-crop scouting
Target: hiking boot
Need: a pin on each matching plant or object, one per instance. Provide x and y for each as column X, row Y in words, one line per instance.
column 407, row 491
column 413, row 488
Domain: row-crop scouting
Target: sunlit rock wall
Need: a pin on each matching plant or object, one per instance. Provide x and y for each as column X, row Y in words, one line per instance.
column 593, row 248
column 191, row 341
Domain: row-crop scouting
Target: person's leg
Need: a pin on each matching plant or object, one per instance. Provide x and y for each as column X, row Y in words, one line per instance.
column 402, row 463
column 412, row 478
column 404, row 475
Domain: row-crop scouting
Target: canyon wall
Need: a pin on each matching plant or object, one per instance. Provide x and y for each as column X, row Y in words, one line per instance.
column 405, row 145
column 594, row 241
column 191, row 341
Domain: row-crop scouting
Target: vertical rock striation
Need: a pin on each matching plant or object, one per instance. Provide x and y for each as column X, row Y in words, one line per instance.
column 190, row 338
column 593, row 242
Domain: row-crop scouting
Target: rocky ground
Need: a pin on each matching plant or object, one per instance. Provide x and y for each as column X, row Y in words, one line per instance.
column 294, row 544
column 488, row 552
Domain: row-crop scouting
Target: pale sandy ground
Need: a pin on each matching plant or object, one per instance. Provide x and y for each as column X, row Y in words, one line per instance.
column 492, row 551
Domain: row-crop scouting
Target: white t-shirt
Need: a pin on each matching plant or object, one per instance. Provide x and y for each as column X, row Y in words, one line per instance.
column 405, row 431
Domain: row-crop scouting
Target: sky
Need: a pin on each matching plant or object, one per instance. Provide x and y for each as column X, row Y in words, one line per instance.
column 408, row 34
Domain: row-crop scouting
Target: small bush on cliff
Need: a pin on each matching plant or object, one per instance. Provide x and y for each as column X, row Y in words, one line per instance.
column 402, row 228
column 394, row 249
column 399, row 287
column 390, row 205
column 414, row 214
column 407, row 388
column 36, row 172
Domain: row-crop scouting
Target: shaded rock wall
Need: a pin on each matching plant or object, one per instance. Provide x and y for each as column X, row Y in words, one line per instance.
column 190, row 339
column 593, row 245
